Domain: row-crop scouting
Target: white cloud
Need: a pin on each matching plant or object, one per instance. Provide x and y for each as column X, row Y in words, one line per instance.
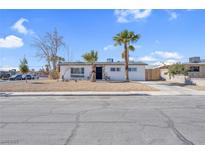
column 11, row 41
column 131, row 58
column 111, row 47
column 159, row 58
column 147, row 59
column 167, row 54
column 124, row 16
column 165, row 62
column 170, row 61
column 108, row 47
column 172, row 15
column 7, row 68
column 19, row 26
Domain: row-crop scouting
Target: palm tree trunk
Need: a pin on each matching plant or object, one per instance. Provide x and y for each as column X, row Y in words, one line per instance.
column 93, row 78
column 126, row 63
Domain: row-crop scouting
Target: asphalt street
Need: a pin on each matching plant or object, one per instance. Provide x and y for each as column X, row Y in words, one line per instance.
column 102, row 120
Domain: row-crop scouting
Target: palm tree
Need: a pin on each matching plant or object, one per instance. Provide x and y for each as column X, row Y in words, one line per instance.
column 92, row 57
column 126, row 38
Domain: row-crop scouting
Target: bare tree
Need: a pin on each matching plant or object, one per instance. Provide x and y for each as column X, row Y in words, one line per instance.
column 48, row 47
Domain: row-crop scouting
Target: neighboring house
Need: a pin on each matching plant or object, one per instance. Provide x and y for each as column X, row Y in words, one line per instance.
column 196, row 67
column 104, row 70
column 196, row 72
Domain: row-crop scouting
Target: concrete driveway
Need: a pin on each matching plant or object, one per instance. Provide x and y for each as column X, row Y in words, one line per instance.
column 171, row 88
column 102, row 120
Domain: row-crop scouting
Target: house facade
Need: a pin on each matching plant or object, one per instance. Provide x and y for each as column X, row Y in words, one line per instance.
column 104, row 70
column 196, row 72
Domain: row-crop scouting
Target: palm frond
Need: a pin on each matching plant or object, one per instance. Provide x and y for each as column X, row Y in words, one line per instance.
column 131, row 48
column 91, row 56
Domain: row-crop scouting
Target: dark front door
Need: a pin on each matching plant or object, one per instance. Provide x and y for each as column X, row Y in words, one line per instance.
column 99, row 73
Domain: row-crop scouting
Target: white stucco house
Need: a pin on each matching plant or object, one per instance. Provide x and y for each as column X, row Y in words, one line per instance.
column 104, row 70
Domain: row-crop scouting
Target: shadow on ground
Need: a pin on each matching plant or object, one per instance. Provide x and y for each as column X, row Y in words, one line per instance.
column 4, row 94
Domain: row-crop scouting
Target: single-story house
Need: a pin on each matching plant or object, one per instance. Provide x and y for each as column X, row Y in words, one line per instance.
column 196, row 72
column 104, row 70
column 195, row 67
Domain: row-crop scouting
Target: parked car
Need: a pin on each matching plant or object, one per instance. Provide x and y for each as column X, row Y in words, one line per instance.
column 27, row 76
column 36, row 76
column 16, row 77
column 5, row 76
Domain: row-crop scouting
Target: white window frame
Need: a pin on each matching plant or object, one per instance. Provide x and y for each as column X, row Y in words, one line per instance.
column 76, row 73
column 115, row 69
column 132, row 69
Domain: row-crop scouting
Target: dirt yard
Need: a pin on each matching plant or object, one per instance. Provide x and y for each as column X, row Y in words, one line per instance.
column 53, row 85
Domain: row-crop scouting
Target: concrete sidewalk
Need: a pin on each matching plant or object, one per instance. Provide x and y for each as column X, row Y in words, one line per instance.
column 94, row 93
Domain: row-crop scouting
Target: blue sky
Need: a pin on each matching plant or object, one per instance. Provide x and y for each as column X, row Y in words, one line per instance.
column 166, row 35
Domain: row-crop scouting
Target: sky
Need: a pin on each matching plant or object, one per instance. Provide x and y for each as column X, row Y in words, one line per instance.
column 167, row 36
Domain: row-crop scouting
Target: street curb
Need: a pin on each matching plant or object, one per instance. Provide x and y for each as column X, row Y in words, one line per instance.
column 131, row 93
column 8, row 94
column 74, row 95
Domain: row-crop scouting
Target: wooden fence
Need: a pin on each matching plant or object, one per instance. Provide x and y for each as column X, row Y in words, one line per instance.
column 152, row 74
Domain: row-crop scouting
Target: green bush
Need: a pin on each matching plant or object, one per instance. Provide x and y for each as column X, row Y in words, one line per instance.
column 177, row 69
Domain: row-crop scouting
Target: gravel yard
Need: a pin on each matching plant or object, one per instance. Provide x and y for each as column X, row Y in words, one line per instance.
column 54, row 85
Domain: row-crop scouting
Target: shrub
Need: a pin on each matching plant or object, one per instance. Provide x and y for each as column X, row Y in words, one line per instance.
column 177, row 69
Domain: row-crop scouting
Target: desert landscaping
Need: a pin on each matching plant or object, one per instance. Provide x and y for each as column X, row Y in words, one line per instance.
column 80, row 85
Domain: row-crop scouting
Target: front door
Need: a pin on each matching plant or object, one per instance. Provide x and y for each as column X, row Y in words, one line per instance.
column 99, row 73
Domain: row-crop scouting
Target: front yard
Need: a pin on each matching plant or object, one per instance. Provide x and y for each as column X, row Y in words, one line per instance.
column 54, row 85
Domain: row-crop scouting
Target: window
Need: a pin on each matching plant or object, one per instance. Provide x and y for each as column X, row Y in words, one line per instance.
column 115, row 69
column 194, row 69
column 132, row 69
column 77, row 70
column 112, row 69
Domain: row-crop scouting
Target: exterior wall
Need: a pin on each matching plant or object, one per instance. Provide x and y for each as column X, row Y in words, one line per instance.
column 163, row 74
column 182, row 79
column 198, row 81
column 200, row 74
column 138, row 75
column 65, row 70
column 202, row 71
column 176, row 78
